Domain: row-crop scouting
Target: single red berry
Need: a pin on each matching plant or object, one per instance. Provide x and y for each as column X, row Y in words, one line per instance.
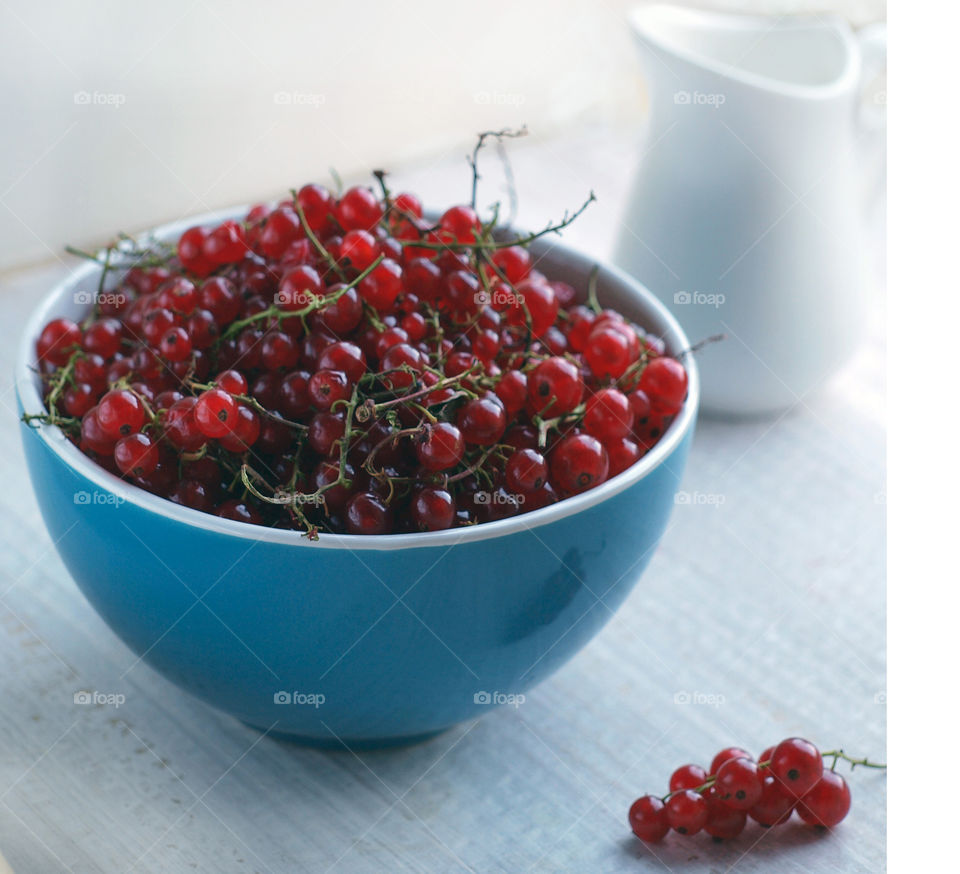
column 798, row 765
column 93, row 437
column 119, row 413
column 482, row 421
column 440, row 447
column 180, row 426
column 526, row 471
column 686, row 812
column 432, row 509
column 57, row 340
column 577, row 463
column 409, row 203
column 723, row 822
column 359, row 209
column 78, row 399
column 232, row 381
column 103, row 338
column 367, row 513
column 725, row 755
column 382, row 286
column 225, row 244
column 512, row 391
column 739, row 783
column 136, row 455
column 358, row 249
column 827, row 803
column 648, row 819
column 318, row 206
column 664, row 381
column 324, row 430
column 554, row 387
column 326, row 387
column 244, row 433
column 776, row 803
column 280, row 229
column 220, row 297
column 216, row 412
column 299, row 288
column 607, row 352
column 687, row 777
column 279, row 351
column 176, row 345
column 513, row 262
column 623, row 453
column 608, row 415
column 190, row 252
column 461, row 223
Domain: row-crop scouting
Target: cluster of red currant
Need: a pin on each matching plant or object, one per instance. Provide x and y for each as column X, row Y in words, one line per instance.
column 343, row 364
column 787, row 777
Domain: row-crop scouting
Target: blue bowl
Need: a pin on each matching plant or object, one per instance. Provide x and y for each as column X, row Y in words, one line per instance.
column 359, row 640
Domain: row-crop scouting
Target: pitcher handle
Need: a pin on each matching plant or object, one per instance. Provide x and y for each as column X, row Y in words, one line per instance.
column 872, row 115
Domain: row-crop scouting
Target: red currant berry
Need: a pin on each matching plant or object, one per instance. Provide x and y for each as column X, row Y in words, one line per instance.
column 608, row 415
column 482, row 421
column 136, row 455
column 119, row 413
column 245, row 433
column 648, row 819
column 686, row 812
column 607, row 352
column 225, row 244
column 687, row 777
column 724, row 756
column 318, row 206
column 324, row 430
column 57, row 340
column 798, row 765
column 359, row 209
column 382, row 286
column 346, row 357
column 432, row 509
column 176, row 345
column 578, row 463
column 739, row 783
column 190, row 252
column 103, row 338
column 367, row 513
column 440, row 447
column 664, row 381
column 827, row 803
column 555, row 387
column 526, row 471
column 216, row 413
column 723, row 822
column 299, row 287
column 180, row 426
column 359, row 249
column 232, row 381
column 461, row 223
column 326, row 387
column 775, row 805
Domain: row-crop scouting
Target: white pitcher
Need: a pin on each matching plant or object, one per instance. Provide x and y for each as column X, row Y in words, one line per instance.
column 747, row 216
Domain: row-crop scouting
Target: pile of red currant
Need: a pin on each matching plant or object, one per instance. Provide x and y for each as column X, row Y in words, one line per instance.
column 343, row 364
column 788, row 777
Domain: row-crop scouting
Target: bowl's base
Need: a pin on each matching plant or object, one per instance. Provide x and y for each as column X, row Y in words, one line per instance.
column 346, row 744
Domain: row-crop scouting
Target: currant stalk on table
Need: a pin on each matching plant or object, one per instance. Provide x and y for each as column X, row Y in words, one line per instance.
column 785, row 778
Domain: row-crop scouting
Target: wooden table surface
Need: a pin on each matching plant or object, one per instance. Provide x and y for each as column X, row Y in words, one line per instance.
column 761, row 616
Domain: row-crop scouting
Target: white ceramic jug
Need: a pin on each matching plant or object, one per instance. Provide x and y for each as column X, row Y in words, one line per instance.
column 747, row 216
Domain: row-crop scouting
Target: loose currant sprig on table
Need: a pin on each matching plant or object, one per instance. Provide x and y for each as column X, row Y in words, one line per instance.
column 787, row 777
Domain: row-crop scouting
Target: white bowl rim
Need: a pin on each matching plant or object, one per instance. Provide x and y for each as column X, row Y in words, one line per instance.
column 27, row 387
